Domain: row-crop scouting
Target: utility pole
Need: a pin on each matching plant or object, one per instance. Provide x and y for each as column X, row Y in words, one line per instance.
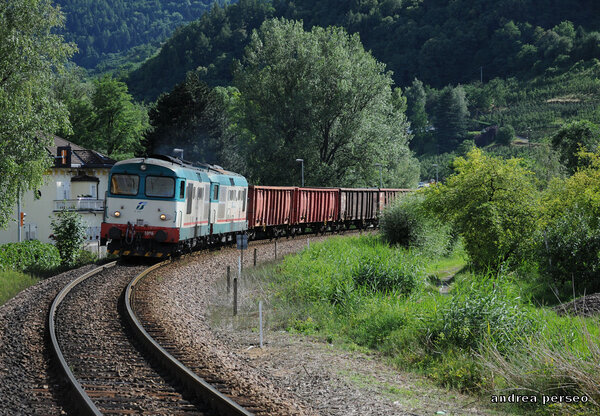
column 380, row 166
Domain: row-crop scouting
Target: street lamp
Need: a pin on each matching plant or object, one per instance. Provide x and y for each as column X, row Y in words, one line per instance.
column 302, row 162
column 436, row 172
column 380, row 166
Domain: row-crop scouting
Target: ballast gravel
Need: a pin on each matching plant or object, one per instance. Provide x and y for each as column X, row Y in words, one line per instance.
column 26, row 384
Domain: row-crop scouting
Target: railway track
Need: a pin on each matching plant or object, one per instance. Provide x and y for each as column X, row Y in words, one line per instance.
column 98, row 342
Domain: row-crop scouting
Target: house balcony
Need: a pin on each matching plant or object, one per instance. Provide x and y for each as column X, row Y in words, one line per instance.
column 80, row 204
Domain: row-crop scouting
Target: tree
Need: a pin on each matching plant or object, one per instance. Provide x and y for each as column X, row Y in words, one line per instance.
column 416, row 99
column 30, row 55
column 103, row 115
column 569, row 244
column 320, row 97
column 492, row 204
column 451, row 117
column 118, row 123
column 570, row 138
column 505, row 135
column 191, row 117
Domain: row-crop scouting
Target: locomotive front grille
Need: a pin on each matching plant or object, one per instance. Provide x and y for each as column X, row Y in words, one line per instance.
column 139, row 222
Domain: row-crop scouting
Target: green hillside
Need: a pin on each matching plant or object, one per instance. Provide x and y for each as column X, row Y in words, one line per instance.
column 437, row 41
column 109, row 29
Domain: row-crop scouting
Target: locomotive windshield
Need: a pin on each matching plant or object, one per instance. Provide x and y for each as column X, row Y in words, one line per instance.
column 124, row 184
column 160, row 186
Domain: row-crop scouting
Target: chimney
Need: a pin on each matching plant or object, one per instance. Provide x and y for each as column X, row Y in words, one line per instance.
column 63, row 157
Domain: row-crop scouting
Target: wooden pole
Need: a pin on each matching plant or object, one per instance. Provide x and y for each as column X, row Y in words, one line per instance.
column 255, row 254
column 228, row 279
column 235, row 292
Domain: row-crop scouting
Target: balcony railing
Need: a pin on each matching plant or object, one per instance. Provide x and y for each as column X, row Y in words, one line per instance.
column 81, row 204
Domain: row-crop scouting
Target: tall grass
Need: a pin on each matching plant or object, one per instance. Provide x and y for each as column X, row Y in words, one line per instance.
column 12, row 282
column 485, row 337
column 563, row 358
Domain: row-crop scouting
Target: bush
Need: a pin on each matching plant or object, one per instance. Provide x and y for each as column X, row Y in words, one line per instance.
column 408, row 224
column 568, row 251
column 29, row 256
column 69, row 232
column 485, row 310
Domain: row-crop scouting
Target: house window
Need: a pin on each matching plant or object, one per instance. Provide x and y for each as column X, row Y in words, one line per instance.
column 63, row 190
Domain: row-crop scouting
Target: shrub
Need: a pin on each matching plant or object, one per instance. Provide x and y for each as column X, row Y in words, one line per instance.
column 69, row 233
column 29, row 256
column 569, row 252
column 487, row 309
column 408, row 224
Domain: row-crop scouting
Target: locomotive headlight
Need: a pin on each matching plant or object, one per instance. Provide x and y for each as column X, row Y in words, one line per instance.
column 117, row 214
column 142, row 167
column 163, row 217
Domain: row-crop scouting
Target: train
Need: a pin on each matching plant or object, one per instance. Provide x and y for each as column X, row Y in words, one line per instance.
column 159, row 206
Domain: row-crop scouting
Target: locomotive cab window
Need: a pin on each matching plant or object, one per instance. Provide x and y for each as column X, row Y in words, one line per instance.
column 160, row 186
column 121, row 184
column 216, row 193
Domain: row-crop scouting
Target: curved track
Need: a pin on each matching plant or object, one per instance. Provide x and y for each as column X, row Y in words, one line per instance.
column 98, row 352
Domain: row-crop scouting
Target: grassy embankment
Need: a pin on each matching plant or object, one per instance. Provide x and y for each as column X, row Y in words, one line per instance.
column 24, row 264
column 485, row 337
column 12, row 282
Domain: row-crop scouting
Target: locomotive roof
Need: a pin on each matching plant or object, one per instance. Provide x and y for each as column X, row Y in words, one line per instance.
column 182, row 168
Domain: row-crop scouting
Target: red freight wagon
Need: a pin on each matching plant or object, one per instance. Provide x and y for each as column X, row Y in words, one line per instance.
column 315, row 205
column 387, row 196
column 269, row 206
column 359, row 206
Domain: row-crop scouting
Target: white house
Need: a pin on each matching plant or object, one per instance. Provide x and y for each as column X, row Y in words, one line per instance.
column 77, row 181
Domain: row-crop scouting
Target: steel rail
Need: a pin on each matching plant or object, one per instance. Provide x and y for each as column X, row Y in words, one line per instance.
column 222, row 404
column 84, row 403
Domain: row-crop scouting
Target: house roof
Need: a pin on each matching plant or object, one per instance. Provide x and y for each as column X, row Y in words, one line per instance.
column 84, row 158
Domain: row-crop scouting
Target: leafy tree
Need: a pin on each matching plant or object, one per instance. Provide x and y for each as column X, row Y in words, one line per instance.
column 118, row 122
column 570, row 239
column 320, row 97
column 30, row 55
column 191, row 117
column 492, row 204
column 570, row 138
column 416, row 100
column 68, row 230
column 505, row 135
column 103, row 115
